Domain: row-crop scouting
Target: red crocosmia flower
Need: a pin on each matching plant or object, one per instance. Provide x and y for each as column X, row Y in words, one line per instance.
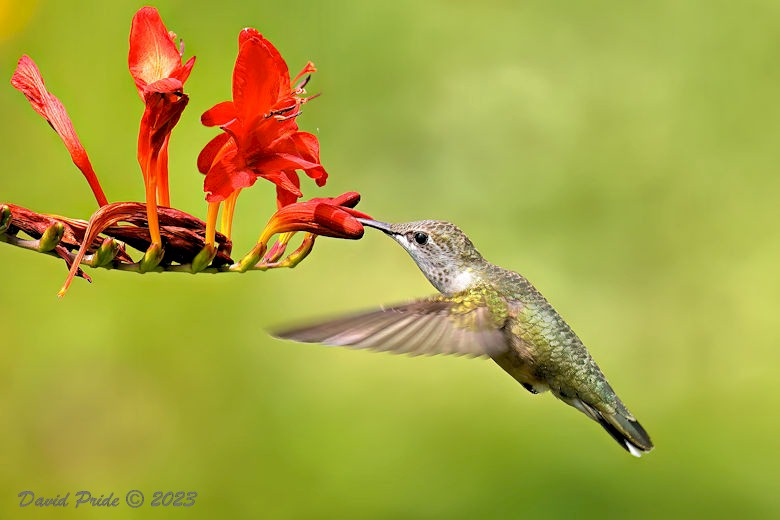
column 261, row 136
column 332, row 217
column 153, row 51
column 28, row 80
column 155, row 63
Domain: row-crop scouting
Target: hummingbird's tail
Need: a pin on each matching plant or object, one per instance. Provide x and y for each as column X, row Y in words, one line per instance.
column 621, row 426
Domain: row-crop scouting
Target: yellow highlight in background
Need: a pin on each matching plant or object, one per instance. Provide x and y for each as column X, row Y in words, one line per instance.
column 14, row 16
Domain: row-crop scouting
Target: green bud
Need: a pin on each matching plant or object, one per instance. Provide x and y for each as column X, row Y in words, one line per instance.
column 203, row 258
column 250, row 260
column 151, row 259
column 5, row 218
column 51, row 237
column 105, row 253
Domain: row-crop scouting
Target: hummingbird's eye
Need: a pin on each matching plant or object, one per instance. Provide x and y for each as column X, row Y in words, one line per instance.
column 421, row 238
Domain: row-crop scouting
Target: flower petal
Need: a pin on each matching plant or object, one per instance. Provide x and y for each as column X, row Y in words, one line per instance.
column 224, row 177
column 315, row 217
column 210, row 151
column 306, row 145
column 346, row 201
column 247, row 33
column 357, row 214
column 257, row 77
column 285, row 197
column 281, row 161
column 164, row 86
column 334, row 219
column 183, row 72
column 284, row 72
column 219, row 115
column 264, row 138
column 28, row 80
column 153, row 53
column 319, row 175
column 162, row 113
column 280, row 178
column 349, row 199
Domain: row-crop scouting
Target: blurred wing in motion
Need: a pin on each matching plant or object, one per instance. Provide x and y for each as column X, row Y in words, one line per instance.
column 422, row 327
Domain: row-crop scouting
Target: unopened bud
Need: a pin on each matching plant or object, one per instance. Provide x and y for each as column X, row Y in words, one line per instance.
column 105, row 253
column 203, row 258
column 51, row 237
column 250, row 260
column 5, row 218
column 151, row 259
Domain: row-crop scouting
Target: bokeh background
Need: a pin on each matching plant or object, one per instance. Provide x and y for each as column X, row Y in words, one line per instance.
column 622, row 156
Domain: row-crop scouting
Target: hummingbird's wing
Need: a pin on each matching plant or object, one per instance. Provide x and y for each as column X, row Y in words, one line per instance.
column 423, row 327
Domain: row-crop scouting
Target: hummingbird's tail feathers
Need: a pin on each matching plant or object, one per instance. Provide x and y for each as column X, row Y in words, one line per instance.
column 626, row 430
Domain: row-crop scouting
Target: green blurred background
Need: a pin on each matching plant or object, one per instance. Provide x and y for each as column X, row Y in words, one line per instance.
column 621, row 155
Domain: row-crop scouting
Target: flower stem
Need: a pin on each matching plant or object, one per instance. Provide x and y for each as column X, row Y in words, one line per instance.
column 226, row 224
column 294, row 258
column 160, row 164
column 211, row 222
column 277, row 250
column 151, row 211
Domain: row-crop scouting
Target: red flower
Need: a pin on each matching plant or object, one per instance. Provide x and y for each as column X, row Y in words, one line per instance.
column 28, row 80
column 261, row 136
column 332, row 217
column 156, row 66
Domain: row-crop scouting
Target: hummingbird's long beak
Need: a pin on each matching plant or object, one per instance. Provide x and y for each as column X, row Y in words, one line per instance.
column 381, row 226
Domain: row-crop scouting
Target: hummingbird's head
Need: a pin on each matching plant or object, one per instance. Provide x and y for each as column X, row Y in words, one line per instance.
column 441, row 250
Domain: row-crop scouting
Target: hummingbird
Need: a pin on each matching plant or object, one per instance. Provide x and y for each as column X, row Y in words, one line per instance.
column 483, row 310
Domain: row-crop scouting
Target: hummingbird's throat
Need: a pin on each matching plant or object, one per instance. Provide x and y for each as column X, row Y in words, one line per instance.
column 451, row 282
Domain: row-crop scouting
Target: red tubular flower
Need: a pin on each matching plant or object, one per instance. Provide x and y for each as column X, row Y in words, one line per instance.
column 261, row 136
column 28, row 80
column 156, row 66
column 332, row 217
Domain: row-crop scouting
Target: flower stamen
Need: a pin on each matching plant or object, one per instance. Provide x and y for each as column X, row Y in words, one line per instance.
column 298, row 89
column 287, row 118
column 280, row 111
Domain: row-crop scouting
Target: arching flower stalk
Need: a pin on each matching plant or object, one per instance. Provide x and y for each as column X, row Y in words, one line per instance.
column 260, row 139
